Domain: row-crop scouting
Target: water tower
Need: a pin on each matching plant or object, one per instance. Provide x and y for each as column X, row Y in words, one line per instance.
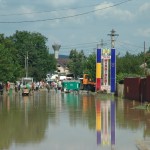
column 56, row 48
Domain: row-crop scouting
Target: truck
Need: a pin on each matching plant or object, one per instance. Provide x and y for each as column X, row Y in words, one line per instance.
column 87, row 83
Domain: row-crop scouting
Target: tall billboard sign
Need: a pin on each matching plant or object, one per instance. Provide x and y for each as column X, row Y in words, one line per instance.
column 106, row 70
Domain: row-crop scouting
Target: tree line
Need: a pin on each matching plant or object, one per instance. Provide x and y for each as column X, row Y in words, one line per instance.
column 14, row 50
column 129, row 65
column 13, row 54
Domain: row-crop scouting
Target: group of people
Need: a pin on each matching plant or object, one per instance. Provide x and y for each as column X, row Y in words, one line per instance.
column 34, row 86
column 57, row 85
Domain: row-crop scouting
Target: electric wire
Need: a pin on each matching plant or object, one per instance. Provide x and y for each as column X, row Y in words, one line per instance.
column 121, row 47
column 49, row 11
column 65, row 17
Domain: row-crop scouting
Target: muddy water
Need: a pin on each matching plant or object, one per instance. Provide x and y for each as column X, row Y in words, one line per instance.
column 58, row 121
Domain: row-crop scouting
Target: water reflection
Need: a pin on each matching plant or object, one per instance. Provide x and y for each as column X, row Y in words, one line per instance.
column 105, row 122
column 21, row 120
column 65, row 121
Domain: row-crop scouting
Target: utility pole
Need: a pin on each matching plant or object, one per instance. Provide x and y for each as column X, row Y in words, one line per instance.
column 102, row 44
column 26, row 64
column 112, row 35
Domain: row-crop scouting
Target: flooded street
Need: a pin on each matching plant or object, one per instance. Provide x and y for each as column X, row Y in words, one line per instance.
column 69, row 121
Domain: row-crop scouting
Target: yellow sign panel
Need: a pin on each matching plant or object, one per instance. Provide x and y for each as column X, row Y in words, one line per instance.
column 98, row 70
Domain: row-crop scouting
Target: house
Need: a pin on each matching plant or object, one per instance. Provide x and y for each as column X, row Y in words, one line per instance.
column 62, row 65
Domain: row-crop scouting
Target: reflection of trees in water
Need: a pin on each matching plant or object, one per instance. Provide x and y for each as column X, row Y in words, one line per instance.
column 80, row 105
column 133, row 118
column 23, row 119
column 147, row 125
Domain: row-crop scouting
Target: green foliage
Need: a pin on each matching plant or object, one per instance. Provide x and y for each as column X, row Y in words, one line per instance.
column 120, row 77
column 13, row 51
column 129, row 65
column 77, row 62
column 147, row 58
column 91, row 66
column 39, row 60
column 126, row 66
column 9, row 67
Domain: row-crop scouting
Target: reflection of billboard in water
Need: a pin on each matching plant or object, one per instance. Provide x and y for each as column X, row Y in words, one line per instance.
column 98, row 121
column 105, row 123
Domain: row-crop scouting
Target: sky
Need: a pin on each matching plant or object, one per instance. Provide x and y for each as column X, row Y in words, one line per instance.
column 81, row 24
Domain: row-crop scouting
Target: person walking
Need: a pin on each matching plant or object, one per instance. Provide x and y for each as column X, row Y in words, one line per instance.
column 8, row 87
column 1, row 88
column 55, row 86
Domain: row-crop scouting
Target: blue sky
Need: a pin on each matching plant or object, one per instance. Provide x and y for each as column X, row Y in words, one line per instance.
column 82, row 23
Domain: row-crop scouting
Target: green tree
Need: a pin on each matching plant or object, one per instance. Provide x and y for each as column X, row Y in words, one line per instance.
column 9, row 66
column 129, row 65
column 39, row 60
column 91, row 66
column 77, row 62
column 147, row 58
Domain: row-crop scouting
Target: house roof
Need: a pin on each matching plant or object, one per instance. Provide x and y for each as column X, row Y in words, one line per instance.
column 63, row 61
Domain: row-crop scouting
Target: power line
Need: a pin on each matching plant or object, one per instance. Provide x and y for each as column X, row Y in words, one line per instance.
column 65, row 17
column 80, row 44
column 48, row 11
column 121, row 43
column 129, row 44
column 127, row 48
column 89, row 46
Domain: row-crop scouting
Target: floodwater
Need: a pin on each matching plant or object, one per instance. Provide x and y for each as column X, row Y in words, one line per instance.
column 70, row 121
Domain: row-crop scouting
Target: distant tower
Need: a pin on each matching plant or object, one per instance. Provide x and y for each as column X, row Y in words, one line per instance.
column 56, row 48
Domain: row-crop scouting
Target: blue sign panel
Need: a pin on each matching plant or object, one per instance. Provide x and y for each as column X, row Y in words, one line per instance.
column 113, row 70
column 98, row 59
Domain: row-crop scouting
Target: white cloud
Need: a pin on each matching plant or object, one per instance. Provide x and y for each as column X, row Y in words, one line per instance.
column 67, row 13
column 114, row 12
column 145, row 7
column 102, row 8
column 28, row 12
column 144, row 32
column 57, row 3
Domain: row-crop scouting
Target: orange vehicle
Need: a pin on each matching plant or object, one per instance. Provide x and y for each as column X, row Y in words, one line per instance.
column 88, row 84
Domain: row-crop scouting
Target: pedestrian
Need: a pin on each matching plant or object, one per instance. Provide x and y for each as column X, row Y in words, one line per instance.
column 19, row 86
column 32, row 86
column 55, row 86
column 16, row 87
column 1, row 88
column 8, row 87
column 48, row 87
column 60, row 85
